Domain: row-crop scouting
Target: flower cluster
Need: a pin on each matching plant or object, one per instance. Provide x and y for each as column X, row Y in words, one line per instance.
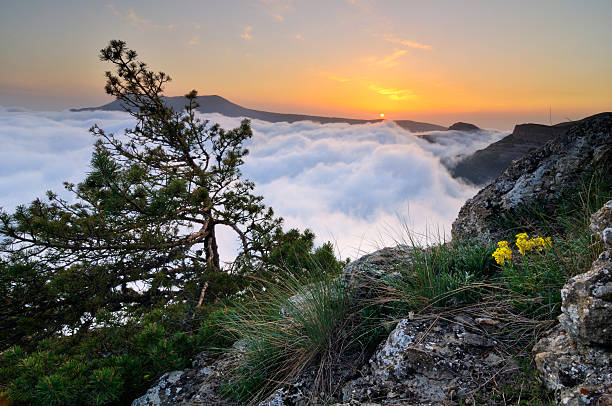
column 524, row 245
column 502, row 253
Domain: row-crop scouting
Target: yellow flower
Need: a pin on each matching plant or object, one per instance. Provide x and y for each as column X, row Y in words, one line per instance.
column 502, row 253
column 525, row 244
column 522, row 242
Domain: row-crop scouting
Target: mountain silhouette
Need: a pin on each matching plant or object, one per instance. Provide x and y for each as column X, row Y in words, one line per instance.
column 218, row 104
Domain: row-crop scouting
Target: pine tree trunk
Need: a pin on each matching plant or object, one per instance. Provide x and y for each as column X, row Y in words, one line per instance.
column 211, row 249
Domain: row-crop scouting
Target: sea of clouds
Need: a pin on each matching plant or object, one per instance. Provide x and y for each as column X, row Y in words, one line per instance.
column 359, row 186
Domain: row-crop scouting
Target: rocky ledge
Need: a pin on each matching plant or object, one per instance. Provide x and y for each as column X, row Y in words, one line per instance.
column 543, row 177
column 575, row 359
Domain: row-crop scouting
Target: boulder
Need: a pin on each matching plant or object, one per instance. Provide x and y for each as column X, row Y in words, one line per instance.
column 587, row 298
column 431, row 361
column 196, row 386
column 544, row 176
column 299, row 392
column 587, row 304
column 601, row 224
column 577, row 374
column 384, row 263
column 575, row 359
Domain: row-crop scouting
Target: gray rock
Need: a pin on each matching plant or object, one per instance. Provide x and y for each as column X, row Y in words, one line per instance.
column 430, row 362
column 198, row 385
column 577, row 374
column 601, row 223
column 544, row 176
column 587, row 304
column 575, row 359
column 382, row 264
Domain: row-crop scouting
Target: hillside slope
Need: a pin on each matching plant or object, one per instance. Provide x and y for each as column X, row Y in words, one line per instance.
column 486, row 164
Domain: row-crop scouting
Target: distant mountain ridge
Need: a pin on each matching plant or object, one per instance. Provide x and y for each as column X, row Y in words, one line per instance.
column 218, row 104
column 487, row 164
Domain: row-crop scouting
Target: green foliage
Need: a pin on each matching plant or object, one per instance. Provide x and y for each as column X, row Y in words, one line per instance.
column 293, row 254
column 139, row 230
column 110, row 365
column 445, row 274
column 297, row 321
column 463, row 272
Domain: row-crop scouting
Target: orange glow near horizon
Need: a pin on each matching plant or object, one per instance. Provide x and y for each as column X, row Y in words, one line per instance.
column 353, row 60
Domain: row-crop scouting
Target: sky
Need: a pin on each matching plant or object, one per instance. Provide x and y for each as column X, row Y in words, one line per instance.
column 493, row 63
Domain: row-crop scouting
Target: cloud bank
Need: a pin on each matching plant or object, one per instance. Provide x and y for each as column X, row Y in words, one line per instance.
column 357, row 186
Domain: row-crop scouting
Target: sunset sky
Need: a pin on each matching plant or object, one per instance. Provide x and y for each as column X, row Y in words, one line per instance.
column 493, row 63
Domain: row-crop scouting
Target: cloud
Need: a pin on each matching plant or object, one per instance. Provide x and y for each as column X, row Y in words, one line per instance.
column 138, row 22
column 350, row 184
column 195, row 40
column 391, row 60
column 246, row 33
column 276, row 8
column 339, row 78
column 412, row 44
column 298, row 36
column 394, row 94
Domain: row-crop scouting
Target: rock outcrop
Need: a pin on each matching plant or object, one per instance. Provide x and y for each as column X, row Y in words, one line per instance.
column 431, row 362
column 544, row 176
column 575, row 359
column 196, row 386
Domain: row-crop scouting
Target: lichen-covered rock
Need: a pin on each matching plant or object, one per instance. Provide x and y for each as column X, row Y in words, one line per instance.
column 384, row 263
column 575, row 359
column 544, row 176
column 434, row 361
column 601, row 223
column 587, row 304
column 299, row 392
column 196, row 386
column 578, row 374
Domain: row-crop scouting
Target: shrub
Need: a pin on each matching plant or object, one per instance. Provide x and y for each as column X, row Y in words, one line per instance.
column 295, row 322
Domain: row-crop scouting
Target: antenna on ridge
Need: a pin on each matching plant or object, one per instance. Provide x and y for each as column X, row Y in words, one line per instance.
column 550, row 115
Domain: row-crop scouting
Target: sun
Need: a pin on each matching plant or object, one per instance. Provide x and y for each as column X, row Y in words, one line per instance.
column 382, row 115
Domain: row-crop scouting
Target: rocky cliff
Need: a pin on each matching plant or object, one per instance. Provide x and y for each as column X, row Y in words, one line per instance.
column 486, row 164
column 543, row 177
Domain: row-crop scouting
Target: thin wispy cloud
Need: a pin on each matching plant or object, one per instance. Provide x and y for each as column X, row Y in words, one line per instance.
column 276, row 8
column 137, row 21
column 339, row 78
column 246, row 33
column 391, row 60
column 195, row 40
column 393, row 93
column 412, row 44
column 298, row 36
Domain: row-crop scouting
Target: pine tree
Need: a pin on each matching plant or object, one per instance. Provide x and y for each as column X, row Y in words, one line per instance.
column 141, row 228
